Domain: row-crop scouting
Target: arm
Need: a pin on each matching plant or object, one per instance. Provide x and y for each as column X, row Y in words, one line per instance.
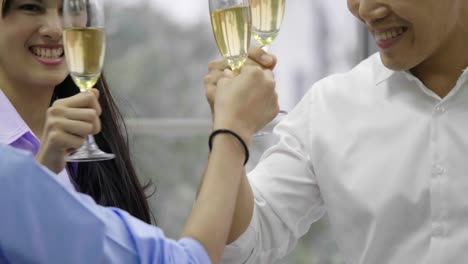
column 43, row 222
column 287, row 195
column 245, row 103
column 280, row 198
column 245, row 199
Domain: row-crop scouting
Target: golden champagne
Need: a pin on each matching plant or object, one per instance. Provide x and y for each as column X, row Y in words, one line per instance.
column 231, row 28
column 84, row 51
column 267, row 16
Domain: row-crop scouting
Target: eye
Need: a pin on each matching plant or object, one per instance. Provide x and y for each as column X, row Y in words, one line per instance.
column 30, row 7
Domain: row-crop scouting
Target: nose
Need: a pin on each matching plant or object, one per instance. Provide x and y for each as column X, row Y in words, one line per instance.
column 51, row 28
column 369, row 10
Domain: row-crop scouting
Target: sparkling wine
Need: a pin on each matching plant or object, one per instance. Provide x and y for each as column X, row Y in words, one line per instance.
column 267, row 16
column 84, row 51
column 231, row 28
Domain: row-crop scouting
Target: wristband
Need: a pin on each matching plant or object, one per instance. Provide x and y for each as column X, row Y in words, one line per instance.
column 226, row 131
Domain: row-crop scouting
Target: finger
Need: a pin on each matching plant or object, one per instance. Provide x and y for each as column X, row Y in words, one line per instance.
column 252, row 73
column 74, row 127
column 219, row 65
column 228, row 73
column 269, row 74
column 252, row 62
column 65, row 140
column 96, row 92
column 85, row 115
column 259, row 56
column 81, row 100
column 213, row 77
column 81, row 114
column 210, row 92
column 97, row 106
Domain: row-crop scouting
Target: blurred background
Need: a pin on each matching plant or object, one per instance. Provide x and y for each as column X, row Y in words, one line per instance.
column 157, row 56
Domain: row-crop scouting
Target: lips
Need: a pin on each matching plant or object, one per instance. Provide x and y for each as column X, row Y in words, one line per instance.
column 389, row 34
column 389, row 37
column 48, row 54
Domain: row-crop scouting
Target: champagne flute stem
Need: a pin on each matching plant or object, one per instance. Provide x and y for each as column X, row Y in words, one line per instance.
column 90, row 141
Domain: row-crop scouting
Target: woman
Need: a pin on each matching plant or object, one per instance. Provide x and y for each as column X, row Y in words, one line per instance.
column 79, row 231
column 38, row 100
column 32, row 75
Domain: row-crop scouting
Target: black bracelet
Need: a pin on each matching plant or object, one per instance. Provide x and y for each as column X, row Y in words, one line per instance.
column 226, row 131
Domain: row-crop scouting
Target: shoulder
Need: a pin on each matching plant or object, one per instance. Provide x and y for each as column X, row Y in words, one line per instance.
column 11, row 156
column 14, row 160
column 361, row 80
column 367, row 73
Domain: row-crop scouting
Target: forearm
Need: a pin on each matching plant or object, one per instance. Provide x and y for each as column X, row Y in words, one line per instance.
column 243, row 210
column 78, row 230
column 213, row 211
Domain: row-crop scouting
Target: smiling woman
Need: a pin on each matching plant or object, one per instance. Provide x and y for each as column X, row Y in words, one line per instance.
column 42, row 111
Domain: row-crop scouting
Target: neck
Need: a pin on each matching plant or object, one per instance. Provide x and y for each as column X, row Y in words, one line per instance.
column 30, row 103
column 441, row 72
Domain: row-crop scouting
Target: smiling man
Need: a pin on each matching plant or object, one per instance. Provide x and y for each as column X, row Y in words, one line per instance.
column 383, row 149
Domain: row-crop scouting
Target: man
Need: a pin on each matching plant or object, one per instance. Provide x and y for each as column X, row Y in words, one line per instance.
column 382, row 149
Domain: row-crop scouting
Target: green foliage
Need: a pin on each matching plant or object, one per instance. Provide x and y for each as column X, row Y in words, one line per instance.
column 157, row 65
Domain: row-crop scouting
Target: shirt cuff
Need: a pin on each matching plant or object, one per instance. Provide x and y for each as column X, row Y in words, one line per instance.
column 196, row 249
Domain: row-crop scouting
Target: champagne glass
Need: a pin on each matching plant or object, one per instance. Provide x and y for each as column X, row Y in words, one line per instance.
column 267, row 16
column 84, row 43
column 231, row 22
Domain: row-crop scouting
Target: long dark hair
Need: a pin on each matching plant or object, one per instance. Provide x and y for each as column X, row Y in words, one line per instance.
column 114, row 182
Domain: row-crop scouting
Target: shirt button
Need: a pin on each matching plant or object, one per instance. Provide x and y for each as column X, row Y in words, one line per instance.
column 439, row 109
column 438, row 230
column 438, row 170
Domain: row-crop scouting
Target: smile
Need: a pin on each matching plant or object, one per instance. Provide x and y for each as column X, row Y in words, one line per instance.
column 389, row 34
column 47, row 53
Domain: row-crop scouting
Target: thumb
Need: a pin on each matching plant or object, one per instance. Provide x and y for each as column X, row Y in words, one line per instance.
column 95, row 92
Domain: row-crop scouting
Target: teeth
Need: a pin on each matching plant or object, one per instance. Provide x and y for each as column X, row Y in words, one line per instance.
column 392, row 33
column 47, row 53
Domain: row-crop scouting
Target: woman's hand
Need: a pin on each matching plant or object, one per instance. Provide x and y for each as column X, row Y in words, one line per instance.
column 68, row 122
column 247, row 102
column 216, row 70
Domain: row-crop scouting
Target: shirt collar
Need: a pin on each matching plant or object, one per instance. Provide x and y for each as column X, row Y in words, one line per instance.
column 383, row 73
column 12, row 126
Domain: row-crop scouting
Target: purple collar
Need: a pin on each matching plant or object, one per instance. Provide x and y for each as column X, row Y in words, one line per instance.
column 13, row 130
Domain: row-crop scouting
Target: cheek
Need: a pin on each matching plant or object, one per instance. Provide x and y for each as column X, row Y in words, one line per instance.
column 431, row 34
column 18, row 36
column 353, row 7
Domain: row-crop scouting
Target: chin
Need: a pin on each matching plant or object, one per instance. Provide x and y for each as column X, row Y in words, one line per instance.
column 56, row 76
column 50, row 81
column 395, row 64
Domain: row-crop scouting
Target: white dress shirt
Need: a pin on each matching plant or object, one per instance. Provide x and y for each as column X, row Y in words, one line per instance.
column 383, row 155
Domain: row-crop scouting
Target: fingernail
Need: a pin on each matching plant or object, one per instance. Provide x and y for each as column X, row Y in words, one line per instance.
column 266, row 59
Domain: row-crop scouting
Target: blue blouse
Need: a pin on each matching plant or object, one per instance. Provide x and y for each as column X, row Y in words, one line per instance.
column 43, row 221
